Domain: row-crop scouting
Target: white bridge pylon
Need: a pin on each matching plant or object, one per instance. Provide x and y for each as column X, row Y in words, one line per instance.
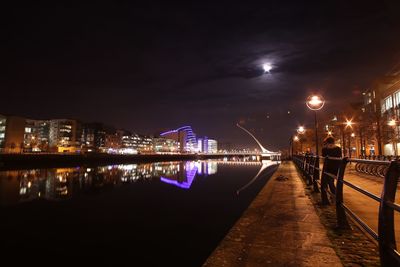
column 264, row 151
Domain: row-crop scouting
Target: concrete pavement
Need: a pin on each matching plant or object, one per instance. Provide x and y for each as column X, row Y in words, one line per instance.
column 366, row 208
column 280, row 228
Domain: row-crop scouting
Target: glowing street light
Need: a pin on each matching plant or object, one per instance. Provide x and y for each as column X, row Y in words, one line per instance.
column 392, row 122
column 349, row 123
column 315, row 102
column 296, row 138
column 267, row 67
column 301, row 130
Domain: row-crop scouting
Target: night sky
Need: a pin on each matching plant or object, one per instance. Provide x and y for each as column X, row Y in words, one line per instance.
column 151, row 66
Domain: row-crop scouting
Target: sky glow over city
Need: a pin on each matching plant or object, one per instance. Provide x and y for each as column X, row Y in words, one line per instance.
column 153, row 67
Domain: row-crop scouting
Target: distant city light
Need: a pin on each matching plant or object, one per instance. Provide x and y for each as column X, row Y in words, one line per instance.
column 349, row 123
column 267, row 67
column 296, row 138
column 301, row 130
column 392, row 122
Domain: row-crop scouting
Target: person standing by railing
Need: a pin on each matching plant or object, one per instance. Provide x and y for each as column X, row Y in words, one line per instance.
column 330, row 150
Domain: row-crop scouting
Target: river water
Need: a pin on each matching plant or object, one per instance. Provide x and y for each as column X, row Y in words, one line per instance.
column 156, row 214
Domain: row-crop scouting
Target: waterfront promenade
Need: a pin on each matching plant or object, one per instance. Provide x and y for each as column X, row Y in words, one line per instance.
column 280, row 228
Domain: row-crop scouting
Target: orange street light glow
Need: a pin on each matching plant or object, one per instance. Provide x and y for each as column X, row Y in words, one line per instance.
column 315, row 102
column 392, row 122
column 349, row 123
column 301, row 130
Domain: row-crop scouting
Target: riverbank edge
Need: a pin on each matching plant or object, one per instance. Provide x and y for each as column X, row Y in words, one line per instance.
column 298, row 237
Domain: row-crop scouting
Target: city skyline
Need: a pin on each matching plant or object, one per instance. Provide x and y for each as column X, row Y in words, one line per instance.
column 148, row 68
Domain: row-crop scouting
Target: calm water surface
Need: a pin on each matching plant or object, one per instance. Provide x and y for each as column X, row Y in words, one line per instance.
column 158, row 214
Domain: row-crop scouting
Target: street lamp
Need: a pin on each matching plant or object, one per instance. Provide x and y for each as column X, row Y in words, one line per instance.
column 301, row 130
column 392, row 123
column 315, row 102
column 349, row 123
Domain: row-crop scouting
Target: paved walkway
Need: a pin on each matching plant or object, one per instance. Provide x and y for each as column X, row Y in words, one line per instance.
column 280, row 228
column 366, row 208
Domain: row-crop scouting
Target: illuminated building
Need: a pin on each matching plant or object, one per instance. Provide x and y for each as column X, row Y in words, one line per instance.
column 113, row 141
column 93, row 137
column 3, row 120
column 36, row 136
column 12, row 134
column 381, row 110
column 144, row 143
column 129, row 143
column 206, row 145
column 64, row 135
column 185, row 136
column 165, row 145
column 212, row 146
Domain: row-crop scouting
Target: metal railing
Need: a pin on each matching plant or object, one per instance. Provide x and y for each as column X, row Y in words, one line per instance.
column 309, row 166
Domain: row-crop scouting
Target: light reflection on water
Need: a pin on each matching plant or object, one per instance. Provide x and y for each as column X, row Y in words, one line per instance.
column 19, row 186
column 91, row 213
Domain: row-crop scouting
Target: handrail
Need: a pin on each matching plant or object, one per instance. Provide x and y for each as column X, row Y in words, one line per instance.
column 388, row 170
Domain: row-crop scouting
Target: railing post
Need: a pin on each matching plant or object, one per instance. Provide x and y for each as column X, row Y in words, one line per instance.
column 324, row 185
column 340, row 212
column 311, row 171
column 316, row 175
column 387, row 239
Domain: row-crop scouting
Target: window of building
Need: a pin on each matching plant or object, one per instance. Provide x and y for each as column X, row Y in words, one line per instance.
column 387, row 104
column 396, row 99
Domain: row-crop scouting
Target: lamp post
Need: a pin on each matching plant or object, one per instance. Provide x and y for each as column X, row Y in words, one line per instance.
column 348, row 123
column 393, row 123
column 315, row 102
column 295, row 139
column 301, row 130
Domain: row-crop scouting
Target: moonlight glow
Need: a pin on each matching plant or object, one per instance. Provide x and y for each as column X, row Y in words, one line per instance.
column 267, row 67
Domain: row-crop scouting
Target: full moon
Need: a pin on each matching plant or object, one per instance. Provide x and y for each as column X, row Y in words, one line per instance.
column 267, row 67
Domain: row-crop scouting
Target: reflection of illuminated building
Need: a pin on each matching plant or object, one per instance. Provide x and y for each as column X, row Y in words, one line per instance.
column 207, row 167
column 9, row 188
column 184, row 178
column 64, row 183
